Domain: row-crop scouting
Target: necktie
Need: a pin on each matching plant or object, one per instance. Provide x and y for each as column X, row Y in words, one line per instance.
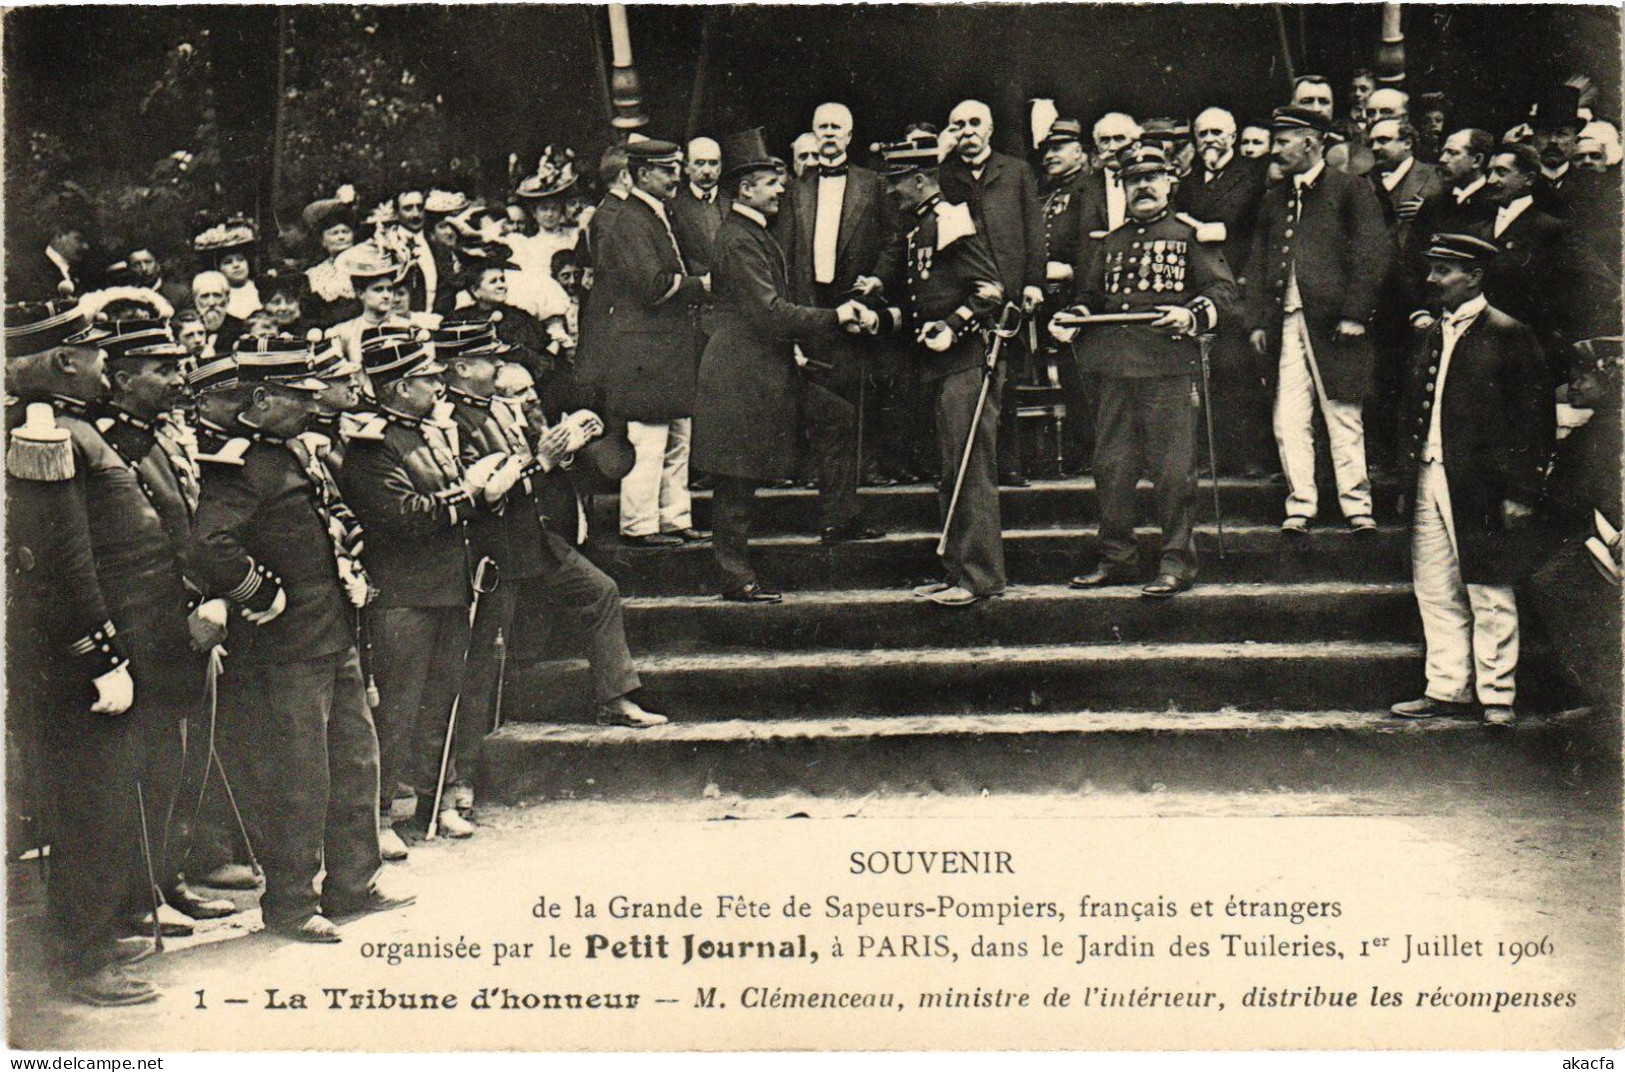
column 831, row 170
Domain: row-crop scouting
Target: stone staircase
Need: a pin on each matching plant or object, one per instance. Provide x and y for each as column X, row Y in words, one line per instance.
column 1275, row 672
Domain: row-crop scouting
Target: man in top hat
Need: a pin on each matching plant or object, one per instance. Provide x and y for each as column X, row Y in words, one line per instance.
column 1154, row 263
column 68, row 680
column 152, row 535
column 646, row 351
column 273, row 537
column 698, row 206
column 1002, row 195
column 528, row 557
column 1556, row 125
column 835, row 226
column 1476, row 423
column 1224, row 191
column 752, row 400
column 408, row 488
column 1319, row 255
column 1065, row 195
column 373, row 275
column 946, row 289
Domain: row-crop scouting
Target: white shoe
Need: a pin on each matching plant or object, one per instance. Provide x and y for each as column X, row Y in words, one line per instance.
column 453, row 825
column 954, row 597
column 461, row 797
column 926, row 591
column 390, row 845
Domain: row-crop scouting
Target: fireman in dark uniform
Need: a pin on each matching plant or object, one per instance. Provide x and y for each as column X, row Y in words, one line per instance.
column 274, row 538
column 1065, row 235
column 68, row 680
column 1153, row 263
column 949, row 290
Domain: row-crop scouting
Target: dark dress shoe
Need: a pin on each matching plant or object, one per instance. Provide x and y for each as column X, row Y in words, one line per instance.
column 1253, row 472
column 654, row 539
column 751, row 593
column 230, row 877
column 111, row 986
column 878, row 480
column 1014, row 480
column 849, row 531
column 781, row 485
column 184, row 900
column 690, row 535
column 1099, row 579
column 1164, row 586
column 1428, row 707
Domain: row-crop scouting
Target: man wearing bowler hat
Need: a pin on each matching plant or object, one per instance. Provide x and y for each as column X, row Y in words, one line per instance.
column 272, row 538
column 1153, row 264
column 751, row 397
column 1475, row 435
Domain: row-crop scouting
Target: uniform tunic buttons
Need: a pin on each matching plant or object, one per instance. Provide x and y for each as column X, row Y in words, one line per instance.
column 1429, row 386
column 1288, row 232
column 1125, row 307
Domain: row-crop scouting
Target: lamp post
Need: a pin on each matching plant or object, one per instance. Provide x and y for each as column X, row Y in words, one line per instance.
column 625, row 93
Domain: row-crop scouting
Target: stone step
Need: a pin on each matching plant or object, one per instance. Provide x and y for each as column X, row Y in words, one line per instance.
column 1070, row 502
column 1063, row 752
column 996, row 679
column 1254, row 552
column 1036, row 614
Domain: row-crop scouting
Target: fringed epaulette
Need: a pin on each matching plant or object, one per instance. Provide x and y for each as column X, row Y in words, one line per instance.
column 1205, row 232
column 953, row 223
column 231, row 453
column 362, row 426
column 38, row 449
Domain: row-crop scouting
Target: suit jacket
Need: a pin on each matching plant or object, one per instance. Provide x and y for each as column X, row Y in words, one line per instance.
column 1421, row 181
column 1441, row 213
column 407, row 492
column 747, row 408
column 1065, row 236
column 1232, row 197
column 1496, row 427
column 1004, row 203
column 695, row 223
column 646, row 349
column 1545, row 280
column 1340, row 253
column 595, row 238
column 34, row 277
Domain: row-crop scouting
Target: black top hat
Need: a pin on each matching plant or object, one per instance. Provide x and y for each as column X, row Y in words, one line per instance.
column 745, row 152
column 1557, row 107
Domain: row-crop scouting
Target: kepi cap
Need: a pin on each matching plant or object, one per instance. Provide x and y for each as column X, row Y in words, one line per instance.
column 34, row 327
column 1462, row 247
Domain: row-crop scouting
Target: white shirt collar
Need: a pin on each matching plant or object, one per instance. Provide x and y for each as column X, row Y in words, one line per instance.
column 1507, row 213
column 1229, row 155
column 1310, row 177
column 650, row 200
column 1464, row 192
column 1467, row 311
column 1557, row 175
column 839, row 161
column 981, row 161
column 1397, row 176
column 701, row 195
column 750, row 213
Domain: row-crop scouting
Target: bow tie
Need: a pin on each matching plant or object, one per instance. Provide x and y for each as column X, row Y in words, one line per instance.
column 831, row 170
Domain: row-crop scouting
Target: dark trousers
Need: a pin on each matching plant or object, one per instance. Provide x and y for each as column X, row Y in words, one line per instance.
column 1081, row 390
column 975, row 554
column 94, row 828
column 830, row 425
column 313, row 780
column 172, row 755
column 1242, row 434
column 1147, row 425
column 1012, row 461
column 733, row 508
column 417, row 662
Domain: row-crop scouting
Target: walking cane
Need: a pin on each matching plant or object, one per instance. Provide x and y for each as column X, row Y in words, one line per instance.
column 152, row 877
column 485, row 580
column 1206, row 343
column 1008, row 327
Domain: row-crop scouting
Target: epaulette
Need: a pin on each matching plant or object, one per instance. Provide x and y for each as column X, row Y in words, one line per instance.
column 953, row 223
column 104, row 424
column 231, row 453
column 40, row 449
column 362, row 426
column 1205, row 232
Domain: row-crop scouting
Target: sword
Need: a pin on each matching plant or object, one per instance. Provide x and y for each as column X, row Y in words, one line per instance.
column 152, row 878
column 1073, row 320
column 481, row 586
column 1007, row 328
column 1206, row 342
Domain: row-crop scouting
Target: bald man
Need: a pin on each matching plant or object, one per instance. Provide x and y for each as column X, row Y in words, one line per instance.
column 696, row 212
column 1002, row 193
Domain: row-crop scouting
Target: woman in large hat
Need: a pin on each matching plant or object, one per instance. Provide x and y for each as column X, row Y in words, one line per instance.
column 229, row 247
column 531, row 283
column 333, row 222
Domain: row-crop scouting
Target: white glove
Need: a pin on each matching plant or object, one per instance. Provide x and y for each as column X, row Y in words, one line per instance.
column 555, row 444
column 1031, row 298
column 115, row 692
column 278, row 605
column 1181, row 319
column 479, row 474
column 866, row 284
column 937, row 337
column 503, row 480
column 1066, row 332
column 1057, row 271
column 207, row 625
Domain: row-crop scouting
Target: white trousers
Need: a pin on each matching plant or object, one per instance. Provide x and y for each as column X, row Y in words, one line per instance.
column 1296, row 395
column 654, row 495
column 1471, row 629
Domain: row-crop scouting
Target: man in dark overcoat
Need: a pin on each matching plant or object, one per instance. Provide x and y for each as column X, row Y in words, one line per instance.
column 1476, row 434
column 752, row 397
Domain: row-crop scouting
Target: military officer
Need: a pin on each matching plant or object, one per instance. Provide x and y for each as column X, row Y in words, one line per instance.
column 948, row 288
column 68, row 679
column 1065, row 236
column 271, row 538
column 408, row 488
column 1155, row 264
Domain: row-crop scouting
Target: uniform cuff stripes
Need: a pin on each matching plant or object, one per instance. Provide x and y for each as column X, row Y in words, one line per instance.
column 1207, row 314
column 959, row 318
column 453, row 498
column 253, row 592
column 101, row 646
